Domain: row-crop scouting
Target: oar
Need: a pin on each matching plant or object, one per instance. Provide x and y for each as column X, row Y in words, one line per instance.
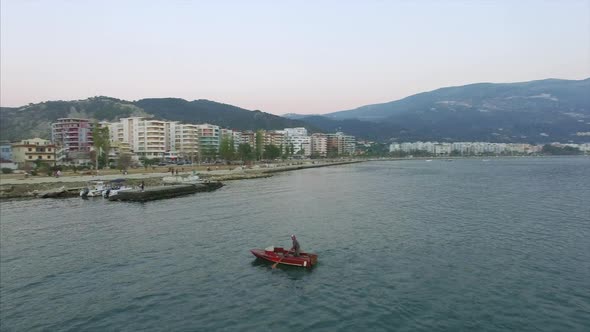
column 274, row 266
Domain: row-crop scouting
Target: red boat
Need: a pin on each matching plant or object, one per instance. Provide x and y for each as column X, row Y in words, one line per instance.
column 274, row 255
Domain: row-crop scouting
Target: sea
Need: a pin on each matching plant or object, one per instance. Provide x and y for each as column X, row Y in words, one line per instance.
column 501, row 244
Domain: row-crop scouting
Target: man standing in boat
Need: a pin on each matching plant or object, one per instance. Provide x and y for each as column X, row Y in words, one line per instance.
column 296, row 248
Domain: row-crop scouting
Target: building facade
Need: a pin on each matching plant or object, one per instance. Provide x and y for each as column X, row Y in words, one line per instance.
column 5, row 151
column 73, row 134
column 29, row 151
column 319, row 145
column 208, row 140
column 298, row 141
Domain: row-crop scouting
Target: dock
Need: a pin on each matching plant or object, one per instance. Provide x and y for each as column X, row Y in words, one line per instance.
column 162, row 192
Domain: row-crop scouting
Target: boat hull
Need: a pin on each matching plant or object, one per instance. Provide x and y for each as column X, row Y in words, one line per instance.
column 275, row 255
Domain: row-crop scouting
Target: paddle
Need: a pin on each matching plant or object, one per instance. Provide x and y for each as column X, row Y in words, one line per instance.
column 274, row 266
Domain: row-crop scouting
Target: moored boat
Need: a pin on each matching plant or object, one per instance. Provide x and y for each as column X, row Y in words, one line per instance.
column 94, row 188
column 278, row 255
column 114, row 187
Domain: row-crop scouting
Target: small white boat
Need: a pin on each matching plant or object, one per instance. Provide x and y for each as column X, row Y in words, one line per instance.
column 94, row 188
column 114, row 187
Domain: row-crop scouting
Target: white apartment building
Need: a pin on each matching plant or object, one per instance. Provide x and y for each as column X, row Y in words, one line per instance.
column 349, row 146
column 298, row 139
column 147, row 138
column 186, row 139
column 464, row 148
column 299, row 131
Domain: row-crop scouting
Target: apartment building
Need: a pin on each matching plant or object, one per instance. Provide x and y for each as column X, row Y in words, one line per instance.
column 5, row 150
column 249, row 137
column 208, row 138
column 72, row 134
column 234, row 135
column 274, row 137
column 30, row 150
column 297, row 139
column 146, row 137
column 186, row 140
column 319, row 144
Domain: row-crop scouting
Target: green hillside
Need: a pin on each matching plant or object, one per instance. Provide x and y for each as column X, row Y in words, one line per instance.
column 35, row 120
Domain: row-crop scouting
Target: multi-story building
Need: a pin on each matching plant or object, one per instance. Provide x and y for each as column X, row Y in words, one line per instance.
column 274, row 137
column 249, row 137
column 208, row 139
column 31, row 150
column 349, row 145
column 234, row 135
column 186, row 140
column 5, row 150
column 74, row 135
column 334, row 145
column 299, row 131
column 341, row 144
column 298, row 140
column 147, row 138
column 319, row 144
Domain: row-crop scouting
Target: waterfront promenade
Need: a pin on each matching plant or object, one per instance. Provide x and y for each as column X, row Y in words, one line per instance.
column 17, row 185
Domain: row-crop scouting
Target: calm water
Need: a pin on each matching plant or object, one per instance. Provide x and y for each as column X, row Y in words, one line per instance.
column 406, row 246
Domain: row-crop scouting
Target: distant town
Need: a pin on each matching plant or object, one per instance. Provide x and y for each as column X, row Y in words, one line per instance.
column 138, row 141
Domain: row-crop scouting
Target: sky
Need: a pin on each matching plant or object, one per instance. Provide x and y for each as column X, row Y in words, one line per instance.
column 309, row 57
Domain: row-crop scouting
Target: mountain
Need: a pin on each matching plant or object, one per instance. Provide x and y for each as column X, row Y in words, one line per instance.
column 34, row 120
column 295, row 116
column 535, row 111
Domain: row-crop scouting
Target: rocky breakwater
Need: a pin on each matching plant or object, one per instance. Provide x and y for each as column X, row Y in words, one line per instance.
column 162, row 192
column 44, row 187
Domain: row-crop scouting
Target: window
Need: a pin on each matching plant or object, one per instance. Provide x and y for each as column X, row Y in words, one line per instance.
column 30, row 149
column 40, row 157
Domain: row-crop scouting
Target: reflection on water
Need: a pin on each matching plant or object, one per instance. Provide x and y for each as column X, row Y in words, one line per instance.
column 406, row 245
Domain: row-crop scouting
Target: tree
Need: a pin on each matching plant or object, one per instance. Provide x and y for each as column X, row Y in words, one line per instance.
column 556, row 150
column 147, row 162
column 208, row 152
column 102, row 143
column 245, row 152
column 271, row 152
column 332, row 152
column 259, row 142
column 226, row 148
column 124, row 161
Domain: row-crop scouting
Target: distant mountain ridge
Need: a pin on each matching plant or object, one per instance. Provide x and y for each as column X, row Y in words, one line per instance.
column 35, row 119
column 536, row 111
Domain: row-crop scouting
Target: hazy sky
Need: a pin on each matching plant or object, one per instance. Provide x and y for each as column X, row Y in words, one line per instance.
column 283, row 56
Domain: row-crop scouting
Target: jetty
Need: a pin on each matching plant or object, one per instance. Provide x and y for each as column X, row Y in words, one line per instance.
column 162, row 192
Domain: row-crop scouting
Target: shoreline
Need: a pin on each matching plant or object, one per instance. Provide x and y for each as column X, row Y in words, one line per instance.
column 29, row 188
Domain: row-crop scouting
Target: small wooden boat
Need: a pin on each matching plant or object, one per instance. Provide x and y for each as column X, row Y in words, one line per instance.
column 274, row 255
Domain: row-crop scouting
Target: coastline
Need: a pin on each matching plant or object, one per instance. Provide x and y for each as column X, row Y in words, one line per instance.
column 22, row 188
